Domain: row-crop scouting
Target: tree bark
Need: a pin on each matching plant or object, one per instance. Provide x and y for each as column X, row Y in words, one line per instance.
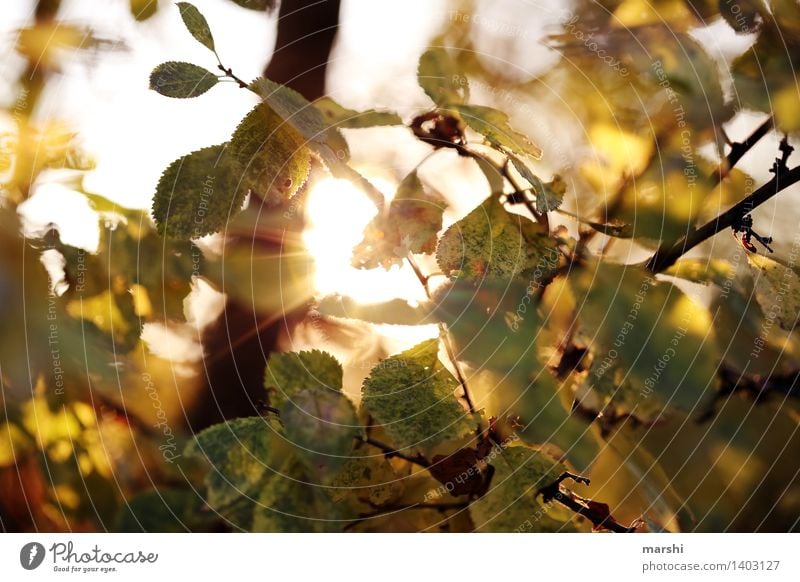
column 306, row 33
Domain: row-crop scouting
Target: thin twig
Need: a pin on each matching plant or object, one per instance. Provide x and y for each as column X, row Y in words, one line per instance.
column 739, row 149
column 229, row 72
column 445, row 335
column 668, row 253
column 666, row 257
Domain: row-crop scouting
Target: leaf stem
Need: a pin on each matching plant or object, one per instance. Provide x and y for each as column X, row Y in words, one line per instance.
column 448, row 346
column 229, row 73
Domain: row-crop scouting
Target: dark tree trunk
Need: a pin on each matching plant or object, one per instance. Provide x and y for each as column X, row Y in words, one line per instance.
column 306, row 33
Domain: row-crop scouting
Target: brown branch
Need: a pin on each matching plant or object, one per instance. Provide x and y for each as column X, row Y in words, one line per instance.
column 739, row 149
column 668, row 253
column 666, row 257
column 229, row 73
column 599, row 519
column 595, row 512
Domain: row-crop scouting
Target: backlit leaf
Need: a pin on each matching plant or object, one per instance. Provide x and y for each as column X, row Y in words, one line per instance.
column 409, row 225
column 239, row 452
column 321, row 423
column 513, row 502
column 197, row 194
column 338, row 116
column 440, row 77
column 143, row 9
column 289, row 373
column 289, row 504
column 300, row 114
column 272, row 156
column 494, row 126
column 490, row 242
column 181, row 80
column 197, row 24
column 660, row 338
column 259, row 5
column 777, row 290
column 412, row 397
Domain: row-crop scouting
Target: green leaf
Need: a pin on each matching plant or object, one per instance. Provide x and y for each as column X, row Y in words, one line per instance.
column 338, row 116
column 439, row 77
column 492, row 243
column 259, row 5
column 288, row 374
column 367, row 478
column 411, row 395
column 496, row 328
column 550, row 195
column 393, row 312
column 409, row 225
column 299, row 113
column 777, row 289
column 197, row 194
column 240, row 453
column 322, row 423
column 513, row 502
column 269, row 279
column 493, row 125
column 273, row 158
column 181, row 80
column 197, row 25
column 288, row 503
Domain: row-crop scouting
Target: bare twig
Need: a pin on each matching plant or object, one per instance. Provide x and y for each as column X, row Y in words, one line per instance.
column 448, row 346
column 670, row 252
column 666, row 257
